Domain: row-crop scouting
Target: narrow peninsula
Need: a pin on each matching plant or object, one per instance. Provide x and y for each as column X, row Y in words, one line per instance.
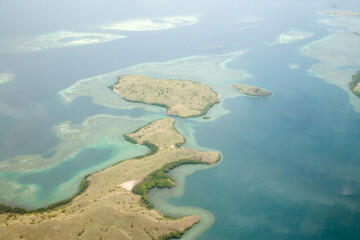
column 355, row 83
column 252, row 90
column 108, row 205
column 182, row 98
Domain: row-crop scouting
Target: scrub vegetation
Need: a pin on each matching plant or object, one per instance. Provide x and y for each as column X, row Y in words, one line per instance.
column 181, row 98
column 355, row 83
column 252, row 90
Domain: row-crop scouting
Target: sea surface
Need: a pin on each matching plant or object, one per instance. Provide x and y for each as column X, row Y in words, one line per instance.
column 290, row 165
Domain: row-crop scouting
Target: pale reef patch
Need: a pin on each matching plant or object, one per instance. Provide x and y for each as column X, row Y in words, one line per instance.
column 338, row 53
column 211, row 70
column 99, row 131
column 59, row 39
column 151, row 24
column 250, row 19
column 292, row 36
column 293, row 66
column 6, row 77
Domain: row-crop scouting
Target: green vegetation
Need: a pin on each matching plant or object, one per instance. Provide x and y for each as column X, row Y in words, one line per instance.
column 159, row 178
column 153, row 150
column 176, row 234
column 355, row 83
column 153, row 147
column 7, row 209
column 112, row 86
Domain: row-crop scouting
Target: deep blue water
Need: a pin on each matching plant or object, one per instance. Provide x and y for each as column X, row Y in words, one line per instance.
column 290, row 167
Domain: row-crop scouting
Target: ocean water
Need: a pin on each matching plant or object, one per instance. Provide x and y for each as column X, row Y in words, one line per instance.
column 294, row 176
column 290, row 167
column 290, row 164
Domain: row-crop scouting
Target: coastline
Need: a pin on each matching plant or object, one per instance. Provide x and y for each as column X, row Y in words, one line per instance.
column 90, row 185
column 160, row 198
column 178, row 96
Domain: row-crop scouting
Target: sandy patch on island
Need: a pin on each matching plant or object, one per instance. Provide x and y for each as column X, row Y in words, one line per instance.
column 129, row 185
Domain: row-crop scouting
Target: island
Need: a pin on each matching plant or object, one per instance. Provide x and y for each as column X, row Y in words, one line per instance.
column 342, row 13
column 182, row 98
column 113, row 203
column 355, row 83
column 252, row 90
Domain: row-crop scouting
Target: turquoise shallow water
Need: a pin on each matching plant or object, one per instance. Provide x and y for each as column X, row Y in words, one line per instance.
column 48, row 180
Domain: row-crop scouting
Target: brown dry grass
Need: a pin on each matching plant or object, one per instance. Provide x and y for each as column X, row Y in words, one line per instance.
column 182, row 98
column 357, row 88
column 107, row 211
column 252, row 90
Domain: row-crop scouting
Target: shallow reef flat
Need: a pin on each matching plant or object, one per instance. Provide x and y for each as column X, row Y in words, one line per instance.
column 292, row 36
column 210, row 70
column 151, row 24
column 338, row 54
column 182, row 98
column 105, row 209
column 293, row 66
column 6, row 77
column 58, row 39
column 342, row 13
column 99, row 131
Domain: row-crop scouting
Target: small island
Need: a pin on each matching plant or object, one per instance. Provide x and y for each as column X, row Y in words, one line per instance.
column 182, row 98
column 355, row 83
column 252, row 90
column 113, row 203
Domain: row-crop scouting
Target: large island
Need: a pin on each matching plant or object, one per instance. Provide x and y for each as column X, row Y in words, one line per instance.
column 182, row 98
column 252, row 90
column 105, row 206
column 355, row 83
